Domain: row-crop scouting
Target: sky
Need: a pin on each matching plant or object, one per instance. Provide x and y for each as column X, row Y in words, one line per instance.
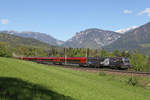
column 63, row 18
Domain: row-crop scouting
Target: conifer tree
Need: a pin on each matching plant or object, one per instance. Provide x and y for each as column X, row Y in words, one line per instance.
column 116, row 53
column 104, row 53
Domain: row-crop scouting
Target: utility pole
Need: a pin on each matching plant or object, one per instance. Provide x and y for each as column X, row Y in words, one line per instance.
column 86, row 52
column 65, row 57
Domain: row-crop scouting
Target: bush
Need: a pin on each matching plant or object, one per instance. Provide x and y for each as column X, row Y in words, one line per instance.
column 4, row 52
column 102, row 74
column 148, row 64
column 132, row 81
column 139, row 61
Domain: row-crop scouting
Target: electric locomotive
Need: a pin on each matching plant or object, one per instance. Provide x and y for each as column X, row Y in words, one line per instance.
column 115, row 62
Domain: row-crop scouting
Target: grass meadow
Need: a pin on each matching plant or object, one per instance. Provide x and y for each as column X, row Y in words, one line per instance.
column 23, row 80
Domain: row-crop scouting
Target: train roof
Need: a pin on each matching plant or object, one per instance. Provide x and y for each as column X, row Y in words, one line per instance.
column 51, row 57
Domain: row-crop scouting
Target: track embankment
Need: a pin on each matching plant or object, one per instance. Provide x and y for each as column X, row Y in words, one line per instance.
column 108, row 71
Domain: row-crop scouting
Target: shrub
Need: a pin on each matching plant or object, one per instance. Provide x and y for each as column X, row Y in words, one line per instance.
column 148, row 64
column 139, row 61
column 102, row 74
column 132, row 81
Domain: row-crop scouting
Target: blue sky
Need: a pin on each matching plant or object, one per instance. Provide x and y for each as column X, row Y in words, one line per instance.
column 63, row 18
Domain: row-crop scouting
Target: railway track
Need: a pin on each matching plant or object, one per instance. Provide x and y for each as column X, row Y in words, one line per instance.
column 104, row 70
column 112, row 71
column 127, row 72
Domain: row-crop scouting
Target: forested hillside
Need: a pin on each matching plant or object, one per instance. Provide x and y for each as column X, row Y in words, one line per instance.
column 16, row 40
column 35, row 35
column 19, row 46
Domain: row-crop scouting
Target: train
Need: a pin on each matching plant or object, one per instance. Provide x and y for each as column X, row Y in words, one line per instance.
column 97, row 62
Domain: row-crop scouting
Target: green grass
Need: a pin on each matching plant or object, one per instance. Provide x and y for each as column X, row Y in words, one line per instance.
column 26, row 80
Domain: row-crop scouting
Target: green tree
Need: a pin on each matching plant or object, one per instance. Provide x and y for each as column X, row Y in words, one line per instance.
column 96, row 53
column 54, row 51
column 88, row 52
column 104, row 53
column 116, row 53
column 125, row 54
column 138, row 61
column 148, row 64
column 3, row 50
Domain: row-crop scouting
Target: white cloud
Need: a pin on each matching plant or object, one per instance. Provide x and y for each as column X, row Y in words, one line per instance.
column 127, row 11
column 4, row 21
column 146, row 11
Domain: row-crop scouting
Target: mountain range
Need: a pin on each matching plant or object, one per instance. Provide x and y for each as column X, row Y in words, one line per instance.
column 89, row 38
column 138, row 38
column 126, row 39
column 16, row 46
column 35, row 35
column 92, row 38
column 21, row 41
column 122, row 31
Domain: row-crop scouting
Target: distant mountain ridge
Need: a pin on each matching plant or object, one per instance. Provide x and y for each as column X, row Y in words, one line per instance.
column 138, row 38
column 35, row 35
column 92, row 38
column 16, row 41
column 89, row 38
column 133, row 38
column 24, row 47
column 123, row 31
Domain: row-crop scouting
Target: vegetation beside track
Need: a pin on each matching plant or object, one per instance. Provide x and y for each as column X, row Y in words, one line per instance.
column 26, row 80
